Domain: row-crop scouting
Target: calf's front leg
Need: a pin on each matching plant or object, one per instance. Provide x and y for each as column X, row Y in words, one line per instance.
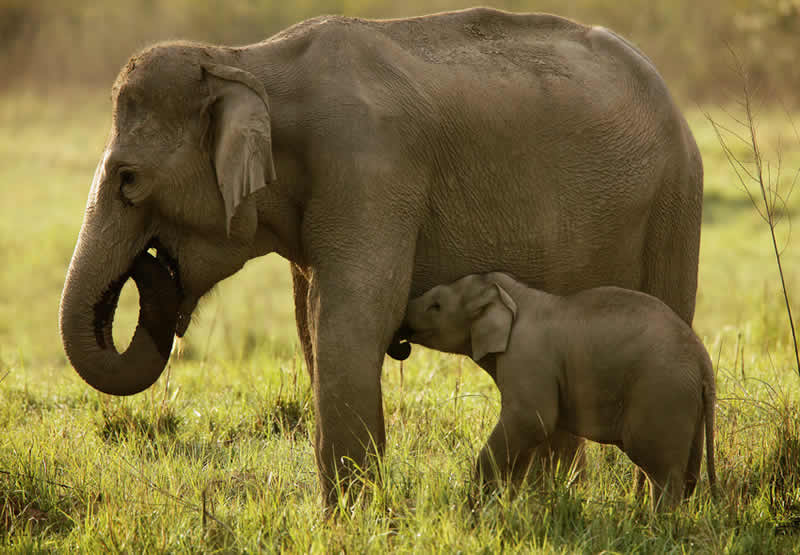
column 509, row 451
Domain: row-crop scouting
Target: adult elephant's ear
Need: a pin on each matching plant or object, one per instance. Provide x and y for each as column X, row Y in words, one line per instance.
column 240, row 132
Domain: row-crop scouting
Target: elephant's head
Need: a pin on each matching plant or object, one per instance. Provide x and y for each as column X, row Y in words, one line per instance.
column 189, row 147
column 471, row 316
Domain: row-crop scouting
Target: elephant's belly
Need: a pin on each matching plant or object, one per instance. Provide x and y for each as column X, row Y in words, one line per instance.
column 535, row 233
column 596, row 423
column 557, row 268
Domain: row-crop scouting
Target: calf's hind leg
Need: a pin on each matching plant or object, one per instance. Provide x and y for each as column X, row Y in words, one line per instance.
column 695, row 460
column 666, row 484
column 660, row 444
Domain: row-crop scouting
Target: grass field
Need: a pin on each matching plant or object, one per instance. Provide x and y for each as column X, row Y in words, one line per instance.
column 217, row 457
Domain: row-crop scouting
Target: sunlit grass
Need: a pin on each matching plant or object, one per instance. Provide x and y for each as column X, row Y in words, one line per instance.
column 217, row 455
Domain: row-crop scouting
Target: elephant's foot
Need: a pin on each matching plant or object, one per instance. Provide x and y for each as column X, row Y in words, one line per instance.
column 350, row 483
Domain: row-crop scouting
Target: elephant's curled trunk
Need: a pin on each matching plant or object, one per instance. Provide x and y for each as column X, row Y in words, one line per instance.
column 86, row 322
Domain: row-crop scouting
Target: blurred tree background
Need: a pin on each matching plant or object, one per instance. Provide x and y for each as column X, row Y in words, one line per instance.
column 47, row 44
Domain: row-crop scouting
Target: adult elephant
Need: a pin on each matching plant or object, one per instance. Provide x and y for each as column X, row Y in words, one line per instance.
column 381, row 158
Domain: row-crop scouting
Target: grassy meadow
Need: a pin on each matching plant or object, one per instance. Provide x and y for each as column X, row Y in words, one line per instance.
column 217, row 455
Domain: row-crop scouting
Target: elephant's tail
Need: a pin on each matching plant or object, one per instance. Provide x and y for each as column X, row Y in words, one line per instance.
column 709, row 407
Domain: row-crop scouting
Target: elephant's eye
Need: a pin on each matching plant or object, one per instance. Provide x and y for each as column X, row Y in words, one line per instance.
column 435, row 307
column 126, row 178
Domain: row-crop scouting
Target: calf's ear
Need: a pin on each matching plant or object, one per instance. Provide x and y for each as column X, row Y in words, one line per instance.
column 494, row 311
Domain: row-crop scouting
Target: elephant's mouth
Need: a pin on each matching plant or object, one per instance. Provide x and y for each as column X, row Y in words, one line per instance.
column 105, row 308
column 400, row 348
column 170, row 263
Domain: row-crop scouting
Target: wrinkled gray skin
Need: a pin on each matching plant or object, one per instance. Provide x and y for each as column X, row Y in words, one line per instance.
column 381, row 158
column 608, row 364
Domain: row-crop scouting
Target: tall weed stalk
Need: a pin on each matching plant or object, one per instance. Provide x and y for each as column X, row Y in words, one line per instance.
column 760, row 179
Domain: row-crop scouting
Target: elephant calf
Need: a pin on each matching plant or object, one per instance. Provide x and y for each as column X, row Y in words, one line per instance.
column 608, row 364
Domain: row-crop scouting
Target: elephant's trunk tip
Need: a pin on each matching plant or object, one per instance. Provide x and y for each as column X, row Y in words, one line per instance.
column 86, row 327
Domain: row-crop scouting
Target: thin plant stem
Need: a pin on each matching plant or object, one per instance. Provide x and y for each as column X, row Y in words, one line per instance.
column 769, row 187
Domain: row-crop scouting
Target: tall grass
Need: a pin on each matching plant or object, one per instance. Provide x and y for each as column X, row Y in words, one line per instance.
column 225, row 464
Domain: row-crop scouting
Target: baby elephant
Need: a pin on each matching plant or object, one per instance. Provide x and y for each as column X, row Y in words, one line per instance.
column 608, row 364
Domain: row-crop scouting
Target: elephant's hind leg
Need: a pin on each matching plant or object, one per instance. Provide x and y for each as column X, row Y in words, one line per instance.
column 695, row 460
column 300, row 286
column 663, row 462
column 672, row 247
column 657, row 437
column 666, row 486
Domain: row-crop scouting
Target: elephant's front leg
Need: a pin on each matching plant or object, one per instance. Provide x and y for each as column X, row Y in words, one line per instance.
column 563, row 453
column 508, row 453
column 352, row 325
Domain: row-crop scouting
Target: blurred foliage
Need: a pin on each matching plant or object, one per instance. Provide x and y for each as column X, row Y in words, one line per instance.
column 49, row 43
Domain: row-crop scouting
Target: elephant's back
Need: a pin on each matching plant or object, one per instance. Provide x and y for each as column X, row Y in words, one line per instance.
column 612, row 317
column 471, row 41
column 493, row 69
column 485, row 38
column 526, row 67
column 631, row 329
